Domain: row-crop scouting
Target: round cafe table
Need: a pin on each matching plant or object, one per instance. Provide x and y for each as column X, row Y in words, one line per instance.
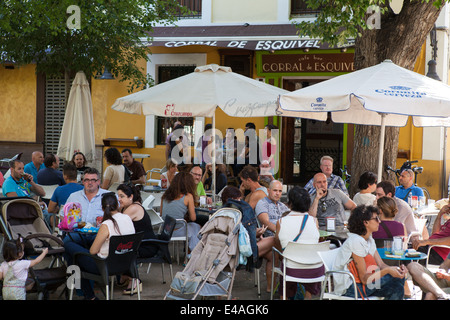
column 403, row 257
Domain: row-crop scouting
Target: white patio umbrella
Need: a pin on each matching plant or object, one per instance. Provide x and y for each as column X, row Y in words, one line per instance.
column 384, row 95
column 200, row 93
column 78, row 127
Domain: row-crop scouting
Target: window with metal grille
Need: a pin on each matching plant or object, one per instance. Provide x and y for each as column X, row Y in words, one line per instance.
column 165, row 125
column 195, row 6
column 55, row 109
column 300, row 7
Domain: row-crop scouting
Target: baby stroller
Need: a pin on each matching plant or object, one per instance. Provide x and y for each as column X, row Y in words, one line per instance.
column 211, row 269
column 23, row 217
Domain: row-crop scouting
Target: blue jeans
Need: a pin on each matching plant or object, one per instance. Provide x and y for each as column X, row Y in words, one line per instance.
column 73, row 243
column 390, row 288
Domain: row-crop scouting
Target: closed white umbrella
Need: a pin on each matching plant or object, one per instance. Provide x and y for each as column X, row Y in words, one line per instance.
column 384, row 95
column 78, row 127
column 199, row 93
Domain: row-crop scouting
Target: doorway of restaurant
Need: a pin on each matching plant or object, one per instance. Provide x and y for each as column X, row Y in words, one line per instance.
column 306, row 141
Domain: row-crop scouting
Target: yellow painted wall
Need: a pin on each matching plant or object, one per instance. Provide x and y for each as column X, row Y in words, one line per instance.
column 18, row 104
column 226, row 11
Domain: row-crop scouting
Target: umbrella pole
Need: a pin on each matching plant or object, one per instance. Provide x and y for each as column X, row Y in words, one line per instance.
column 381, row 144
column 213, row 187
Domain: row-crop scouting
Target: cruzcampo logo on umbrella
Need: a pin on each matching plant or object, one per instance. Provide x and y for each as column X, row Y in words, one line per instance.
column 401, row 91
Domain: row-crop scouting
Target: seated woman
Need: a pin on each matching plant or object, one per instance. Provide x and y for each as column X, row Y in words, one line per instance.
column 287, row 229
column 178, row 201
column 387, row 209
column 261, row 246
column 131, row 204
column 115, row 172
column 359, row 255
column 367, row 185
column 167, row 177
column 114, row 223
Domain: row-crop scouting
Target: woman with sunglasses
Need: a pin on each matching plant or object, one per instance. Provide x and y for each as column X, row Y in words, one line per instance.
column 359, row 255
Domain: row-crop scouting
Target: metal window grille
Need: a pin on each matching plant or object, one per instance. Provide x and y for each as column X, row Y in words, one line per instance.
column 55, row 109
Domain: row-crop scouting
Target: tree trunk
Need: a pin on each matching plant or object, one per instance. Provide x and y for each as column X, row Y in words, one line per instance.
column 400, row 39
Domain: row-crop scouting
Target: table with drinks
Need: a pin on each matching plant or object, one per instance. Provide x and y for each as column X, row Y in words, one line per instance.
column 395, row 249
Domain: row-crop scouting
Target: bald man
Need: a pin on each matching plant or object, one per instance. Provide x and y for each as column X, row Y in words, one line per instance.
column 329, row 202
column 36, row 164
column 270, row 209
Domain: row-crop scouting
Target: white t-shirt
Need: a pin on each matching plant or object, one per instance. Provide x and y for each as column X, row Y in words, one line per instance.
column 366, row 199
column 125, row 225
column 290, row 227
column 354, row 244
column 114, row 173
column 20, row 268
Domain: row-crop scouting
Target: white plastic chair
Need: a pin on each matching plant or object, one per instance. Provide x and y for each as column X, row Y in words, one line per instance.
column 148, row 202
column 150, row 180
column 298, row 256
column 429, row 266
column 184, row 238
column 328, row 258
column 420, row 225
column 49, row 190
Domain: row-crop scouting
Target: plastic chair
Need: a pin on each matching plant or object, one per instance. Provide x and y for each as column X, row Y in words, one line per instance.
column 162, row 241
column 121, row 259
column 328, row 258
column 148, row 202
column 49, row 190
column 298, row 256
column 433, row 266
column 150, row 180
column 183, row 238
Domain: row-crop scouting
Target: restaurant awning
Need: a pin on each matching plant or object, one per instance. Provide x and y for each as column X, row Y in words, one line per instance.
column 249, row 37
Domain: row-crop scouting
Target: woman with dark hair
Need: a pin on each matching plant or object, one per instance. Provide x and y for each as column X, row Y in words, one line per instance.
column 131, row 204
column 114, row 223
column 288, row 228
column 115, row 172
column 367, row 185
column 359, row 255
column 179, row 202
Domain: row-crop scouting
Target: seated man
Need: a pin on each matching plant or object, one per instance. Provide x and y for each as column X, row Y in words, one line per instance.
column 36, row 164
column 333, row 181
column 50, row 175
column 138, row 173
column 407, row 187
column 90, row 199
column 404, row 214
column 61, row 193
column 436, row 286
column 197, row 174
column 250, row 183
column 440, row 235
column 328, row 202
column 221, row 177
column 270, row 209
column 21, row 184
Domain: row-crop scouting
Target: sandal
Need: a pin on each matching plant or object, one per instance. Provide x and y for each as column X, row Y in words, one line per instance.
column 124, row 283
column 127, row 291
